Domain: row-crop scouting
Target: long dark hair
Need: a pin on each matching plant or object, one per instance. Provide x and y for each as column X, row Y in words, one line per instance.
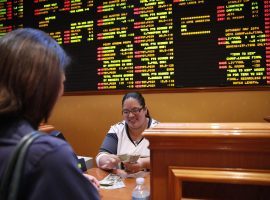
column 31, row 67
column 138, row 96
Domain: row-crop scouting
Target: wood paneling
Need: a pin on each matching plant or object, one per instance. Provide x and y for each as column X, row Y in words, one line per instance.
column 177, row 176
column 85, row 120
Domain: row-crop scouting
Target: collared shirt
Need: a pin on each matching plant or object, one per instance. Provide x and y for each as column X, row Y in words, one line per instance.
column 118, row 141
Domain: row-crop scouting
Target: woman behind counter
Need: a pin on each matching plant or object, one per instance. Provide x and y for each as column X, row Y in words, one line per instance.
column 126, row 136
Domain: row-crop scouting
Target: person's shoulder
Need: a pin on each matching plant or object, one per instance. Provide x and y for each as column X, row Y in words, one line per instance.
column 154, row 122
column 50, row 142
column 48, row 145
column 118, row 126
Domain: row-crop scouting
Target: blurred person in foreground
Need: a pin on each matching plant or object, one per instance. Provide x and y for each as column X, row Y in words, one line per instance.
column 126, row 137
column 32, row 75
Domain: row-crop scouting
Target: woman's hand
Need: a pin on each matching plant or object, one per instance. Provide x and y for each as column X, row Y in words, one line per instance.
column 92, row 180
column 134, row 167
column 141, row 164
column 109, row 161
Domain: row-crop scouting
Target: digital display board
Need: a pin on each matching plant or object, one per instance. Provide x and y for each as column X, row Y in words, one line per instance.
column 153, row 44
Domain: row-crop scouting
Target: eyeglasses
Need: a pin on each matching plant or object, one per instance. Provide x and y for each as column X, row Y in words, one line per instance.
column 133, row 111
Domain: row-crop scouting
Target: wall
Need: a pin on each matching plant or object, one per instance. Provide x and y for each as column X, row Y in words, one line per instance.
column 84, row 120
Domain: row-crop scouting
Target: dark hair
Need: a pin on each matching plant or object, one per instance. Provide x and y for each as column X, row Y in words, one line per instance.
column 31, row 66
column 138, row 96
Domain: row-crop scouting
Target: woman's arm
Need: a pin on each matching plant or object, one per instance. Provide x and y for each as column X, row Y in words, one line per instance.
column 107, row 161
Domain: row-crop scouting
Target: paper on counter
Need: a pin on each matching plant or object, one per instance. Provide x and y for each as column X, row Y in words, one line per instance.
column 112, row 181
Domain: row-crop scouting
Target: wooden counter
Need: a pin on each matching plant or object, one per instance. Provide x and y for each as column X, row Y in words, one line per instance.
column 214, row 150
column 117, row 194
